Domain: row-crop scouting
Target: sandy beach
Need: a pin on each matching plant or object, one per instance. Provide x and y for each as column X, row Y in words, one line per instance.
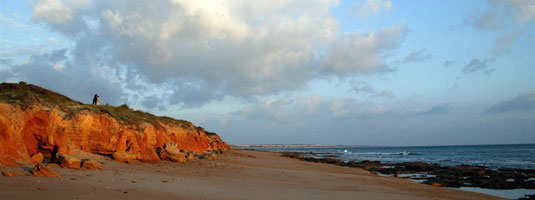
column 260, row 99
column 239, row 174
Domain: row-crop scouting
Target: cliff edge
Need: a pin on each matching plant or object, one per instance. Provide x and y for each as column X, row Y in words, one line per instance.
column 35, row 120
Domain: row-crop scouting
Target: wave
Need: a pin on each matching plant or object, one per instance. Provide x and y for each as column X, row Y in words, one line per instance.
column 401, row 153
column 516, row 157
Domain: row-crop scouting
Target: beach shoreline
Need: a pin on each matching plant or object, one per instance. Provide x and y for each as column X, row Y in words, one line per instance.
column 239, row 174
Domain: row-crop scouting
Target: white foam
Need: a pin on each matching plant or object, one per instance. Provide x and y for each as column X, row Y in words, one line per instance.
column 404, row 153
column 510, row 194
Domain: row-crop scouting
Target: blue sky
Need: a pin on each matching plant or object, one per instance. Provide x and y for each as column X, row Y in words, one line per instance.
column 369, row 72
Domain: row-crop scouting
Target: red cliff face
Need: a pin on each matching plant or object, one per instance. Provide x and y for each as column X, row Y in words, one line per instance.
column 38, row 128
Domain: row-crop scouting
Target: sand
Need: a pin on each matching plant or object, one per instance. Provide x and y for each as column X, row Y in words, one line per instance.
column 240, row 174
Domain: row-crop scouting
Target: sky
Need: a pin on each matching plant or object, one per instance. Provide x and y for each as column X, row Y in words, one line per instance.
column 365, row 72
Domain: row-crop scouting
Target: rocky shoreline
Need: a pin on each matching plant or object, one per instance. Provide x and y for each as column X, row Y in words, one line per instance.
column 435, row 174
column 263, row 175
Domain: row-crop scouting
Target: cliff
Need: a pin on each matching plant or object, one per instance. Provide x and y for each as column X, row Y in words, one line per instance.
column 35, row 120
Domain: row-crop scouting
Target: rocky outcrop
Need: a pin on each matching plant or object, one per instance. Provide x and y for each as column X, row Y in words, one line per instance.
column 10, row 174
column 67, row 161
column 34, row 120
column 37, row 158
column 435, row 174
column 190, row 157
column 211, row 157
column 170, row 152
column 41, row 171
column 7, row 161
column 125, row 157
column 91, row 165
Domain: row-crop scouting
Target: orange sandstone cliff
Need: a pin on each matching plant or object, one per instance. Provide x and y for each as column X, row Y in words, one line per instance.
column 35, row 120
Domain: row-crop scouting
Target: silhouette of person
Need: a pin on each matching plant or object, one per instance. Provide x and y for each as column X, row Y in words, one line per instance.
column 95, row 99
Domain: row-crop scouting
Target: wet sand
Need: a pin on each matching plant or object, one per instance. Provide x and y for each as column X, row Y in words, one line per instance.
column 240, row 174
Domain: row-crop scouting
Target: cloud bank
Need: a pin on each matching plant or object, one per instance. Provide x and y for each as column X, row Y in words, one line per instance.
column 522, row 102
column 373, row 7
column 510, row 19
column 194, row 52
column 476, row 65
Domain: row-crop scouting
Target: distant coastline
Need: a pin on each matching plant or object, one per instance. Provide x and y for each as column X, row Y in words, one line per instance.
column 300, row 146
column 355, row 146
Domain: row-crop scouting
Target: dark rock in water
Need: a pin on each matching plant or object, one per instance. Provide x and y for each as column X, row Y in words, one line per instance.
column 528, row 197
column 436, row 175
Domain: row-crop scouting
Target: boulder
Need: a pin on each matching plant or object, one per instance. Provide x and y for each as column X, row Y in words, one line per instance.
column 126, row 157
column 37, row 158
column 170, row 152
column 53, row 165
column 41, row 171
column 436, row 184
column 10, row 174
column 68, row 161
column 190, row 157
column 91, row 165
column 6, row 161
column 211, row 157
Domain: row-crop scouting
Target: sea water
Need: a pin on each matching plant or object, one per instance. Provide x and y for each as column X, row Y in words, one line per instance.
column 519, row 156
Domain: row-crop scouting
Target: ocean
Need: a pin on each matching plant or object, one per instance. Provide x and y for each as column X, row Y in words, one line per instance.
column 518, row 156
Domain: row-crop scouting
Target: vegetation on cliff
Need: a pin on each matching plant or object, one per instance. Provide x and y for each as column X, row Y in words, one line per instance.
column 34, row 121
column 24, row 94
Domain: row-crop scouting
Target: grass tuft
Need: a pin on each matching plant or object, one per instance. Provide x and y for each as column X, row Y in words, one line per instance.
column 25, row 95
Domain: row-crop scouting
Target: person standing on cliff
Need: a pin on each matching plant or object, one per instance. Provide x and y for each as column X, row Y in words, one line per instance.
column 95, row 99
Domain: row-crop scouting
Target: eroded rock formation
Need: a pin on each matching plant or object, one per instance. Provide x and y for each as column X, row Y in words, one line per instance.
column 68, row 161
column 34, row 120
column 41, row 170
column 91, row 165
column 37, row 158
column 10, row 174
column 172, row 153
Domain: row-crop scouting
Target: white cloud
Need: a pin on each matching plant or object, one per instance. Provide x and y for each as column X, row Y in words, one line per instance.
column 417, row 56
column 52, row 39
column 75, row 82
column 308, row 108
column 502, row 43
column 363, row 87
column 53, row 11
column 12, row 22
column 437, row 109
column 476, row 65
column 58, row 67
column 373, row 7
column 198, row 51
column 310, row 104
column 319, row 119
column 510, row 19
column 523, row 102
column 62, row 15
column 360, row 53
column 526, row 7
